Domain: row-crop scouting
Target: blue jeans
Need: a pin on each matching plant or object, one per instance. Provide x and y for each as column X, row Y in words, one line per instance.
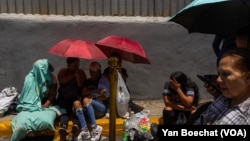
column 94, row 109
column 99, row 108
column 82, row 120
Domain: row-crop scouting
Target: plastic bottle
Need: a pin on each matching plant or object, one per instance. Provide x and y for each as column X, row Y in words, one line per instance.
column 125, row 133
column 134, row 121
column 132, row 134
column 147, row 112
column 132, row 113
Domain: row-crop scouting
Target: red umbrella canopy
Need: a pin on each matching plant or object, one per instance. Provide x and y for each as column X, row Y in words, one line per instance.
column 77, row 48
column 129, row 50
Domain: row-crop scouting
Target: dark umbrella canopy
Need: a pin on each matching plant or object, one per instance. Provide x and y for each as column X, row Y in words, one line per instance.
column 221, row 17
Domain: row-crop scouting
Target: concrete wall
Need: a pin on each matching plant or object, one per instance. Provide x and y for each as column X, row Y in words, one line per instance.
column 25, row 38
column 156, row 8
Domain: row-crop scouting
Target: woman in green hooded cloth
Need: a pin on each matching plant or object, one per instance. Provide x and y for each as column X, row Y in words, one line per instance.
column 34, row 114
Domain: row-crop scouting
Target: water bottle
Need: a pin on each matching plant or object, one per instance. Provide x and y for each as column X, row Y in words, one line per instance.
column 181, row 119
column 147, row 113
column 125, row 133
column 132, row 113
column 132, row 134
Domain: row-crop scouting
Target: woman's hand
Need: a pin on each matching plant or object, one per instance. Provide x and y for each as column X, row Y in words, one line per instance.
column 174, row 85
column 102, row 91
column 211, row 90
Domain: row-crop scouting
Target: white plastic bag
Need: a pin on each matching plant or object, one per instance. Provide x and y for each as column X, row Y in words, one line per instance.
column 7, row 97
column 122, row 97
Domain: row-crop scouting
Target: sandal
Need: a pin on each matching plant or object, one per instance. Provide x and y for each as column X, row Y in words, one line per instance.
column 30, row 134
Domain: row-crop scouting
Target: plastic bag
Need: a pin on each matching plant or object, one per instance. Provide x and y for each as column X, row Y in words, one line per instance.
column 8, row 96
column 122, row 97
column 139, row 127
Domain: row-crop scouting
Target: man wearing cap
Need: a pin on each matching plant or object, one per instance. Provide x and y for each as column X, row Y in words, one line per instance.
column 91, row 90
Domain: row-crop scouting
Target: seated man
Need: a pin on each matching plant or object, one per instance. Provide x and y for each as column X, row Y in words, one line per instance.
column 70, row 79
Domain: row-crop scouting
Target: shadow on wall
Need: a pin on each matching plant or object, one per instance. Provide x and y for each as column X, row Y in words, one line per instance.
column 169, row 47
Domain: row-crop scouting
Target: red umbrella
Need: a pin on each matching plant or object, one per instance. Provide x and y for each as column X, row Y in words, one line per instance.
column 77, row 48
column 129, row 50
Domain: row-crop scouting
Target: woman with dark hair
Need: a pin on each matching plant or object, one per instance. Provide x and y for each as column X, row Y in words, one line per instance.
column 232, row 106
column 180, row 95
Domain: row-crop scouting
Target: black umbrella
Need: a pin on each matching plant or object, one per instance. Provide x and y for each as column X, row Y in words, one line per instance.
column 221, row 17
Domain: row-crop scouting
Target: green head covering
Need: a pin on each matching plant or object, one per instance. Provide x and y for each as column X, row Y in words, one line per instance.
column 35, row 85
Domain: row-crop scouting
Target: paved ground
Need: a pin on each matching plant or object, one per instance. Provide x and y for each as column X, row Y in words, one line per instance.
column 154, row 106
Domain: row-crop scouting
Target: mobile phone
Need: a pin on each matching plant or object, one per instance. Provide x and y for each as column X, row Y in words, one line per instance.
column 208, row 79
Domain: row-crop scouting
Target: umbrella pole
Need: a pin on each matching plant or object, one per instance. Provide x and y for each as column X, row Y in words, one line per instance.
column 112, row 99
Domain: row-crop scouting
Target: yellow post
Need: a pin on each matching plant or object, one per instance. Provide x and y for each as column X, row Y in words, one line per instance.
column 112, row 98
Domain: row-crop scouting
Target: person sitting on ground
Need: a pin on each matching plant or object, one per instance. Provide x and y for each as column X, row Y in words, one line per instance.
column 91, row 90
column 93, row 103
column 123, row 72
column 232, row 106
column 70, row 81
column 180, row 95
column 35, row 112
column 50, row 96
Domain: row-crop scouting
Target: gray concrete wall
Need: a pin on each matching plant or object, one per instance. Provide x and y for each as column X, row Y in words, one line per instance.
column 147, row 8
column 25, row 38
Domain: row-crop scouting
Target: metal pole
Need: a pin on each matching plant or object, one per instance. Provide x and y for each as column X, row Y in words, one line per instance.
column 112, row 98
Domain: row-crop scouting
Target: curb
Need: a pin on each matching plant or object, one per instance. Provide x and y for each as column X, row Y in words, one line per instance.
column 6, row 131
column 154, row 106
